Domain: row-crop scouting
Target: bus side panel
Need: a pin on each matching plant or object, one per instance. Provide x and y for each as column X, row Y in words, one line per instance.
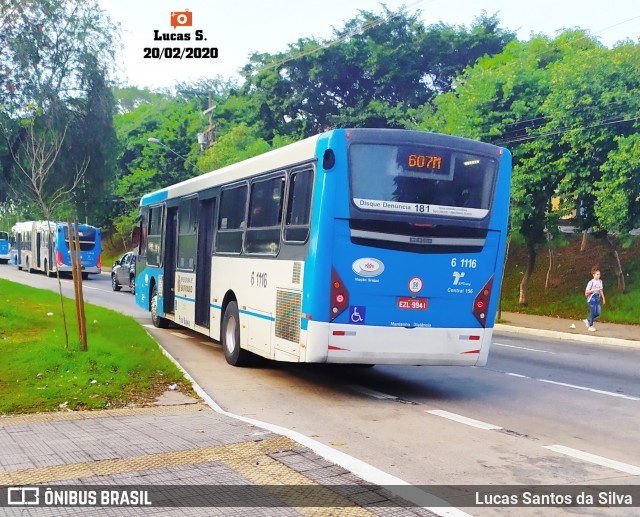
column 185, row 301
column 269, row 303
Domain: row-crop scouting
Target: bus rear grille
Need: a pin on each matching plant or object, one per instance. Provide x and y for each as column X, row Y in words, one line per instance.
column 297, row 270
column 288, row 313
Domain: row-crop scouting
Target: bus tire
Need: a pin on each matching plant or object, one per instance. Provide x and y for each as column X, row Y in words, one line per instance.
column 233, row 353
column 157, row 320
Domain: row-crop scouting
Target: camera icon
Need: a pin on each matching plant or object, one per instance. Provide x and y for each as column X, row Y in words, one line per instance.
column 181, row 19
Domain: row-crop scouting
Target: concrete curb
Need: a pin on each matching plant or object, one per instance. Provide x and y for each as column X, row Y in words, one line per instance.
column 598, row 340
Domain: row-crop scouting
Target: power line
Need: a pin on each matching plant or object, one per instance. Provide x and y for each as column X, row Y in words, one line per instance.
column 345, row 37
column 564, row 130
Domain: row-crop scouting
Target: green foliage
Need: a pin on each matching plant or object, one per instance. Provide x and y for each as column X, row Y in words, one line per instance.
column 37, row 373
column 237, row 145
column 377, row 67
column 570, row 273
column 56, row 56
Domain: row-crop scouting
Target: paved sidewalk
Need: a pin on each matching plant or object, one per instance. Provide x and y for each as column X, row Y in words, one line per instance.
column 575, row 330
column 191, row 459
column 197, row 461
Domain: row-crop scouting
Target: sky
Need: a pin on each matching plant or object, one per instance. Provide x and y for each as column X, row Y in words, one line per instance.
column 234, row 29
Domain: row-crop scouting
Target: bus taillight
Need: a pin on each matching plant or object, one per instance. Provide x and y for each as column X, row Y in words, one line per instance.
column 481, row 303
column 59, row 259
column 339, row 295
column 100, row 260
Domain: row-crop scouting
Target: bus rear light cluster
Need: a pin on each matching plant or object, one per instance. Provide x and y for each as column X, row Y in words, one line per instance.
column 481, row 303
column 339, row 296
column 59, row 259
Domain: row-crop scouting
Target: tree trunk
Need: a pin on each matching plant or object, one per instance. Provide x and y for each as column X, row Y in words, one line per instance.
column 619, row 273
column 583, row 244
column 504, row 269
column 524, row 284
column 547, row 283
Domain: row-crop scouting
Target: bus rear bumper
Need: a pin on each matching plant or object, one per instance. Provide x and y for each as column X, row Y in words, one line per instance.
column 93, row 270
column 356, row 344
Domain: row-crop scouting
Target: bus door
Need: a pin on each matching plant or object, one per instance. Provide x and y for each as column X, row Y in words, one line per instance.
column 38, row 244
column 203, row 263
column 171, row 237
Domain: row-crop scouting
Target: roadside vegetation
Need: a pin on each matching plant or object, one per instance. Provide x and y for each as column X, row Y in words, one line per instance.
column 568, row 276
column 122, row 367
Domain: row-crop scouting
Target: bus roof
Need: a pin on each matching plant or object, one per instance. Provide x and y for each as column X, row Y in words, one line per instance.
column 27, row 226
column 297, row 152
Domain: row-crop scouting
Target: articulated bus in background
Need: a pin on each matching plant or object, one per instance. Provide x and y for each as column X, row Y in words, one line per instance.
column 44, row 246
column 5, row 248
column 365, row 246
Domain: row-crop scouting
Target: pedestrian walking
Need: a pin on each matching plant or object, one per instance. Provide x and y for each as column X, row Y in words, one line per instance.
column 594, row 293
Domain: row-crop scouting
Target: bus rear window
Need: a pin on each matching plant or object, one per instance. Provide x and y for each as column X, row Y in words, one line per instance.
column 87, row 237
column 421, row 179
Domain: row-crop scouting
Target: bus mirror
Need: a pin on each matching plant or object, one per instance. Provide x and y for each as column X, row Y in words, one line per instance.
column 328, row 160
column 135, row 237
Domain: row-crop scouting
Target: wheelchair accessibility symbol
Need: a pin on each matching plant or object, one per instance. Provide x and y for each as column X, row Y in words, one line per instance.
column 357, row 314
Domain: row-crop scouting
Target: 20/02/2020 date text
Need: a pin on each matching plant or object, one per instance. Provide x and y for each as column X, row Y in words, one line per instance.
column 180, row 53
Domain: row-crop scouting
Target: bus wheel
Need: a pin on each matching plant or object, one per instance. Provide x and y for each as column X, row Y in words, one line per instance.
column 158, row 321
column 234, row 355
column 114, row 283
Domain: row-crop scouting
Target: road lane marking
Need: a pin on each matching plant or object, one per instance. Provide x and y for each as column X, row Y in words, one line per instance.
column 593, row 390
column 574, row 386
column 463, row 419
column 592, row 458
column 525, row 348
column 370, row 393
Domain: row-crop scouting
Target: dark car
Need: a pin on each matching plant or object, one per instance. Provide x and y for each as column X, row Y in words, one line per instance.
column 123, row 273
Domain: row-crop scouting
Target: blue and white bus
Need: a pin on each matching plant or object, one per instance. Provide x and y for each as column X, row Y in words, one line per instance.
column 364, row 246
column 44, row 246
column 5, row 248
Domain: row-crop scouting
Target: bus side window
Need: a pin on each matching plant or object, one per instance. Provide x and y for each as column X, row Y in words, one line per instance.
column 154, row 236
column 187, row 226
column 265, row 209
column 299, row 206
column 231, row 221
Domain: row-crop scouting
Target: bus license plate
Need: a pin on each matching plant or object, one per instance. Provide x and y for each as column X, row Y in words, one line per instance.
column 416, row 304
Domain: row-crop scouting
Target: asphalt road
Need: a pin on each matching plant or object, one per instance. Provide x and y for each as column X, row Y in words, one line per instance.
column 541, row 412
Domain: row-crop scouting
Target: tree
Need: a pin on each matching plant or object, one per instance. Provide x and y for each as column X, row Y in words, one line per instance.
column 56, row 55
column 502, row 99
column 374, row 70
column 35, row 158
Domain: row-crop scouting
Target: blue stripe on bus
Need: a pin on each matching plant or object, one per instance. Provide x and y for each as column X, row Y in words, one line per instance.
column 261, row 316
column 156, row 197
column 248, row 313
column 193, row 300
